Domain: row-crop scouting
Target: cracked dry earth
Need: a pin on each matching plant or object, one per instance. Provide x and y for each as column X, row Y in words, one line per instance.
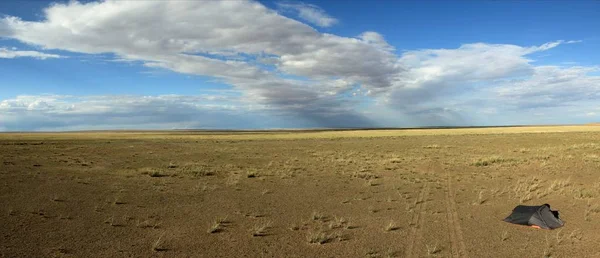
column 401, row 193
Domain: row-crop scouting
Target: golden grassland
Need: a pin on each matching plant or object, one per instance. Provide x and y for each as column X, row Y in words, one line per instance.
column 354, row 193
column 296, row 134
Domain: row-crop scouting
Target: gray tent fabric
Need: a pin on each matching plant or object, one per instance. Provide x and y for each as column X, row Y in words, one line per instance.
column 541, row 216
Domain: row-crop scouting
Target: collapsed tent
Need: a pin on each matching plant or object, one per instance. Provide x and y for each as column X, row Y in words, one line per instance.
column 535, row 216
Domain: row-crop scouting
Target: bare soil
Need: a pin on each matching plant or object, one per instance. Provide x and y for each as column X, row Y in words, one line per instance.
column 428, row 193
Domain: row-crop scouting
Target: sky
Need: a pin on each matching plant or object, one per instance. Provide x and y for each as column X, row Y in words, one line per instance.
column 93, row 65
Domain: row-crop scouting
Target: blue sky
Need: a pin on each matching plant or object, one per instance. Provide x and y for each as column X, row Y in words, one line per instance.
column 67, row 65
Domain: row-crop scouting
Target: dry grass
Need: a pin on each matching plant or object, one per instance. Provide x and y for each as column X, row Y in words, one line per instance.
column 583, row 193
column 252, row 173
column 585, row 146
column 156, row 173
column 338, row 222
column 112, row 221
column 158, row 245
column 488, row 161
column 391, row 226
column 432, row 249
column 504, row 236
column 215, row 227
column 148, row 223
column 166, row 135
column 261, row 228
column 319, row 237
column 318, row 216
column 364, row 174
column 328, row 176
column 198, row 170
column 480, row 198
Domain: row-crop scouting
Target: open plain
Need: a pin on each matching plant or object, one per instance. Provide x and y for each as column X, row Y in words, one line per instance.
column 371, row 193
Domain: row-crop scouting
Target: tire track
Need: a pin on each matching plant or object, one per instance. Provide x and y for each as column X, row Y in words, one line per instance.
column 416, row 222
column 457, row 242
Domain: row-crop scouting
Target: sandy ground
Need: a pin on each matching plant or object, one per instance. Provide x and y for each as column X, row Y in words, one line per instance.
column 412, row 193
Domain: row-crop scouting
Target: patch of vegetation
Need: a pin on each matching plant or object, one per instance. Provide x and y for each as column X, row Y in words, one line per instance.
column 364, row 174
column 589, row 145
column 156, row 173
column 484, row 162
column 252, row 173
column 432, row 249
column 319, row 237
column 112, row 222
column 391, row 226
column 214, row 227
column 480, row 198
column 218, row 225
column 198, row 170
column 337, row 222
column 371, row 183
column 172, row 165
column 582, row 193
column 504, row 236
column 318, row 216
column 261, row 228
column 158, row 245
column 149, row 223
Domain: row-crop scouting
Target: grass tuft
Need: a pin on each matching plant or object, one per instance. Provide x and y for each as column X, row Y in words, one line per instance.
column 261, row 229
column 432, row 249
column 252, row 173
column 504, row 236
column 319, row 237
column 338, row 223
column 318, row 216
column 484, row 162
column 391, row 226
column 158, row 244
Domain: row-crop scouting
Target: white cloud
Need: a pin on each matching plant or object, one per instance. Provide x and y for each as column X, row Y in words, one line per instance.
column 551, row 86
column 194, row 37
column 310, row 13
column 60, row 112
column 444, row 73
column 208, row 111
column 283, row 66
column 13, row 53
column 468, row 82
